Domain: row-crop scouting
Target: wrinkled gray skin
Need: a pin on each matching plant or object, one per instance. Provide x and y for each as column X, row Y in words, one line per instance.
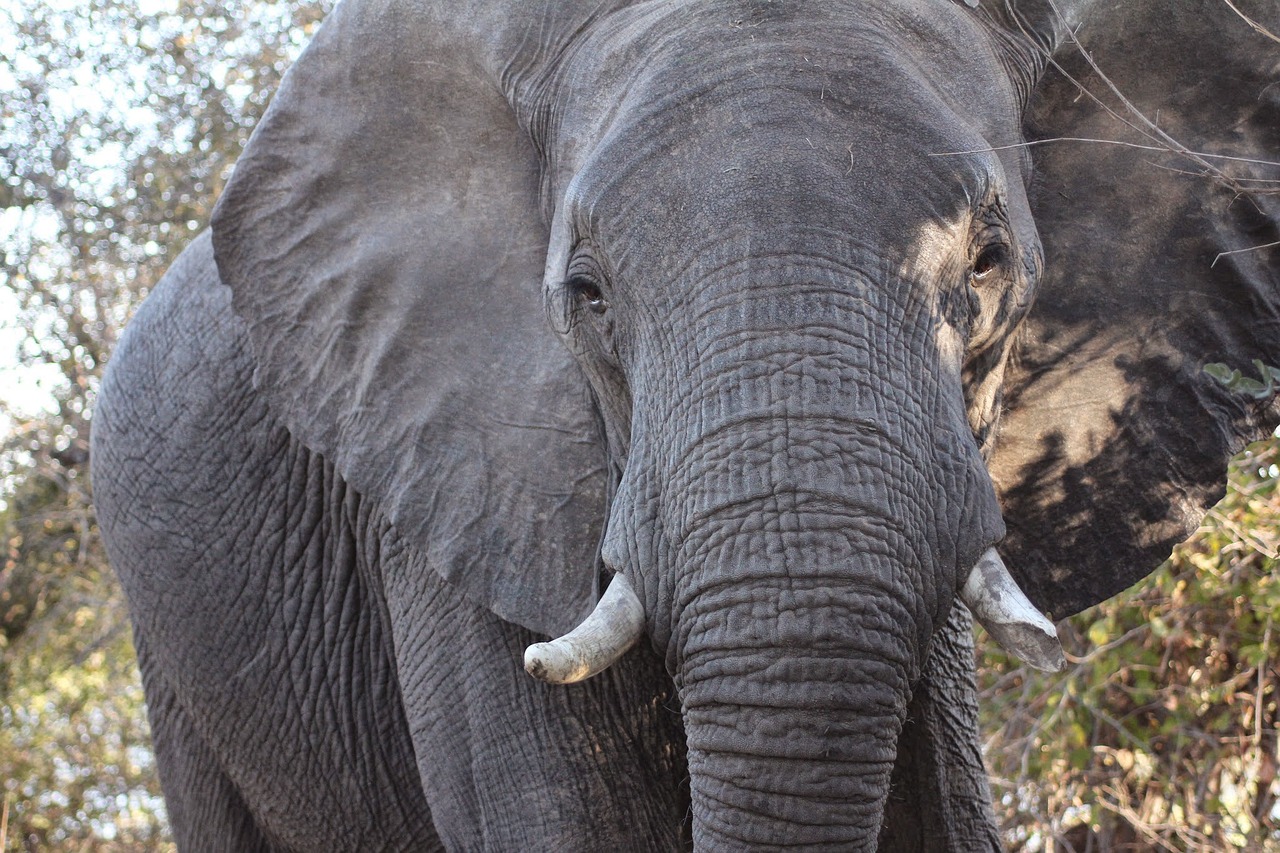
column 348, row 471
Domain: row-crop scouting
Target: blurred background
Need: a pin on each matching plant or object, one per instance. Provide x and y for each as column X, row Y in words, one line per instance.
column 119, row 124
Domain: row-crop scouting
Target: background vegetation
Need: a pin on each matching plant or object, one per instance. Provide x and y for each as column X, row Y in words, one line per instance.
column 118, row 124
column 1161, row 733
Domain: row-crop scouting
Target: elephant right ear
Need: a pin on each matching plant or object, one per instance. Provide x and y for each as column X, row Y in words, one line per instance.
column 384, row 241
column 1158, row 261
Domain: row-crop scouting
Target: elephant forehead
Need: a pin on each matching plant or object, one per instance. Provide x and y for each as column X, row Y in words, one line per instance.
column 770, row 154
column 669, row 65
column 789, row 184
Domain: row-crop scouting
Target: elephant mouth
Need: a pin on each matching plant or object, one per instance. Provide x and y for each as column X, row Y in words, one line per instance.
column 617, row 623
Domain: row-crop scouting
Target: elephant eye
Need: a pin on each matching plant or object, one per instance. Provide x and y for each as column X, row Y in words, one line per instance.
column 588, row 293
column 991, row 258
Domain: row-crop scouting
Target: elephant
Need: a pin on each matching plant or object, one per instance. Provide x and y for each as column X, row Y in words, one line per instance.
column 597, row 424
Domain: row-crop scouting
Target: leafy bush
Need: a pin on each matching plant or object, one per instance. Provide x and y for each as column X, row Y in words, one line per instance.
column 1161, row 733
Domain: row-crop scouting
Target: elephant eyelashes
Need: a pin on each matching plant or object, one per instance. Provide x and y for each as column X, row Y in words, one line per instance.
column 989, row 259
column 587, row 292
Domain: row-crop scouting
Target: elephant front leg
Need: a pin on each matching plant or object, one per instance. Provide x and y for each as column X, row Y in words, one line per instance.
column 206, row 811
column 940, row 799
column 511, row 763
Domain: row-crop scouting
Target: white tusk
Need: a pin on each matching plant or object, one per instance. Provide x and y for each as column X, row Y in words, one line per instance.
column 1009, row 616
column 615, row 625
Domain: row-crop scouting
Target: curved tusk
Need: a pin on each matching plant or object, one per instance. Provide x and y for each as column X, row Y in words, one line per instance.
column 615, row 625
column 1009, row 616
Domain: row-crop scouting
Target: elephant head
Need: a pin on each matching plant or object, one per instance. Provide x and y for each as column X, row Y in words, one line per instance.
column 730, row 307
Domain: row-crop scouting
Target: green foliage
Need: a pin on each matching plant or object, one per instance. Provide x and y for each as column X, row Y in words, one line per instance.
column 73, row 739
column 1162, row 731
column 1235, row 380
column 119, row 123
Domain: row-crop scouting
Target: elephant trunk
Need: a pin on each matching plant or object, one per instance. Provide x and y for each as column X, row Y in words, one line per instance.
column 792, row 704
column 813, row 557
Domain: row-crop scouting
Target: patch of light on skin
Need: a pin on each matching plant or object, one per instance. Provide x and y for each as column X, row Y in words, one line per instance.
column 931, row 258
column 1093, row 383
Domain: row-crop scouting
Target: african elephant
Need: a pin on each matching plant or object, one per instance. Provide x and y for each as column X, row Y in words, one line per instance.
column 699, row 336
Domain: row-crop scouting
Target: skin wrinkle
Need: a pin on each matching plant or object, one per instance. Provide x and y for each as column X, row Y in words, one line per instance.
column 809, row 776
column 830, row 752
column 827, row 439
column 679, row 477
column 726, row 616
column 862, row 544
column 736, row 830
column 865, row 544
column 746, row 452
column 729, row 675
column 843, row 747
column 860, row 426
column 728, row 543
column 764, row 792
column 855, row 632
column 721, row 595
column 787, row 752
column 730, row 827
column 313, row 684
column 839, row 511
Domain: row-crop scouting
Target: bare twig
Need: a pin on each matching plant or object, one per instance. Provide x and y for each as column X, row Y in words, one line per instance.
column 1135, row 119
column 1251, row 22
column 1247, row 249
column 1119, row 142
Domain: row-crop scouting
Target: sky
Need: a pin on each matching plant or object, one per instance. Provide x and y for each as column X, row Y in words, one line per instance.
column 24, row 389
column 95, row 86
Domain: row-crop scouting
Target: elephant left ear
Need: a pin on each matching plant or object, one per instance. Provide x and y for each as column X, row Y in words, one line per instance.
column 384, row 242
column 1114, row 440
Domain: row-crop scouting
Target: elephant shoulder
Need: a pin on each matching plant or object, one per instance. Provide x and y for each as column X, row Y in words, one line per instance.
column 177, row 418
column 185, row 347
